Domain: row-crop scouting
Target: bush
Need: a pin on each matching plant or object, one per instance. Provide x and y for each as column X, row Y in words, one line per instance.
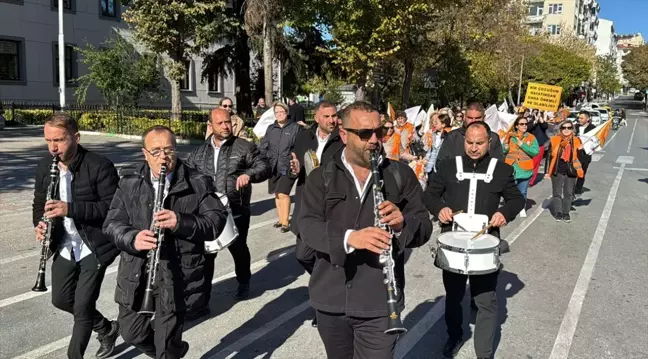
column 136, row 125
column 28, row 117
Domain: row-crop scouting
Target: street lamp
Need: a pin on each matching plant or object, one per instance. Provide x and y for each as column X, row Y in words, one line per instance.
column 520, row 84
column 61, row 55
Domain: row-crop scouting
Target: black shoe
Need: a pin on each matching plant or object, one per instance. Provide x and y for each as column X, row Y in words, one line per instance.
column 277, row 224
column 185, row 349
column 107, row 342
column 566, row 218
column 452, row 348
column 285, row 229
column 314, row 321
column 204, row 311
column 559, row 217
column 242, row 292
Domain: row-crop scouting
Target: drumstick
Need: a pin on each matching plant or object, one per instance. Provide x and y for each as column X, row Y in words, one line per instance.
column 482, row 232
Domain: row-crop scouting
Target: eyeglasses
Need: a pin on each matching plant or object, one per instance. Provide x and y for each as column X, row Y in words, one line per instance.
column 366, row 133
column 522, row 124
column 387, row 128
column 157, row 153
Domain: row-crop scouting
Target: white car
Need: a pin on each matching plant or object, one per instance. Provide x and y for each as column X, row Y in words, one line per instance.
column 605, row 115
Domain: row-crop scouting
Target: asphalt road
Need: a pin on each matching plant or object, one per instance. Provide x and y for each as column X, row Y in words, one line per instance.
column 567, row 290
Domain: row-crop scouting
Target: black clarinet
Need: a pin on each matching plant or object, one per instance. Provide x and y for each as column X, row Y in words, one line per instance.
column 153, row 257
column 395, row 325
column 49, row 223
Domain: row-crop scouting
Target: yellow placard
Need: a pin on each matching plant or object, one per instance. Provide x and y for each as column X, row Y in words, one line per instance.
column 542, row 97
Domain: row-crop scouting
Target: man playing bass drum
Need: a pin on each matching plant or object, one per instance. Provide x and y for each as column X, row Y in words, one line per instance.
column 448, row 192
column 86, row 185
column 191, row 214
column 324, row 141
column 337, row 220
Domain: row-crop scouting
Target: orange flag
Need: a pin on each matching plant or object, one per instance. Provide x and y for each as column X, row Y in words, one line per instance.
column 392, row 112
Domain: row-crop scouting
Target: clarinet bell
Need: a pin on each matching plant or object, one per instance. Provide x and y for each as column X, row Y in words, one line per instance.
column 395, row 325
column 40, row 283
column 148, row 303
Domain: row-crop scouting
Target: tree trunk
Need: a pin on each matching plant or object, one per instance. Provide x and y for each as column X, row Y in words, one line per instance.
column 407, row 81
column 242, row 73
column 267, row 61
column 176, row 103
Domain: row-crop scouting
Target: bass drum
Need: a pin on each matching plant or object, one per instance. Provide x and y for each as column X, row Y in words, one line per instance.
column 228, row 235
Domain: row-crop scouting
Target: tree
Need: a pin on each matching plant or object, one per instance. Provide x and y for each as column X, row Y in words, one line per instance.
column 635, row 67
column 607, row 79
column 178, row 29
column 121, row 75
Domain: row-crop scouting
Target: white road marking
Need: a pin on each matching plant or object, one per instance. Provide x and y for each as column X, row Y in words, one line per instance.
column 597, row 157
column 632, row 135
column 632, row 169
column 19, row 257
column 563, row 342
column 611, row 138
column 414, row 335
column 46, row 349
column 626, row 160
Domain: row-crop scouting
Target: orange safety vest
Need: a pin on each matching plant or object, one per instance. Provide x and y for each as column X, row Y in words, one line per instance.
column 555, row 147
column 516, row 154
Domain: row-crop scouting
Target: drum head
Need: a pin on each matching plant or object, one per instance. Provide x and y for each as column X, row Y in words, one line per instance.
column 462, row 239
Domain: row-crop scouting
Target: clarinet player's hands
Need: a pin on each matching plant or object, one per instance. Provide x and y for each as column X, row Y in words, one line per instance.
column 372, row 239
column 40, row 231
column 391, row 215
column 145, row 241
column 166, row 219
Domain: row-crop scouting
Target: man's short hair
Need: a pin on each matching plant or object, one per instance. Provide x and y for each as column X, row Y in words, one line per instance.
column 324, row 104
column 280, row 104
column 64, row 121
column 587, row 114
column 158, row 128
column 356, row 106
column 220, row 103
column 481, row 124
column 476, row 106
column 401, row 114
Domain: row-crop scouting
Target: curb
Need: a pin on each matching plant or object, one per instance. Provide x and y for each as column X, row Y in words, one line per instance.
column 138, row 138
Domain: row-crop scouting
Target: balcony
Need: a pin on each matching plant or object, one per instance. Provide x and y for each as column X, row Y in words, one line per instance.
column 535, row 19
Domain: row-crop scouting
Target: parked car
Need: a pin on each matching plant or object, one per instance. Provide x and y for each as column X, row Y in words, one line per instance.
column 605, row 115
column 638, row 96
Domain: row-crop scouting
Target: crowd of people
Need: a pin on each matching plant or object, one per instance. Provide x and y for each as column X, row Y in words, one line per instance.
column 458, row 172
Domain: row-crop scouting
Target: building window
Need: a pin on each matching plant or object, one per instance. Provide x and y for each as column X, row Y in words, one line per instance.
column 67, row 4
column 553, row 29
column 185, row 83
column 213, row 82
column 108, row 8
column 536, row 10
column 11, row 60
column 556, row 9
column 69, row 63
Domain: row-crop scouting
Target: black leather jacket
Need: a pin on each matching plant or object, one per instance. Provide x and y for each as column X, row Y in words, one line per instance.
column 236, row 157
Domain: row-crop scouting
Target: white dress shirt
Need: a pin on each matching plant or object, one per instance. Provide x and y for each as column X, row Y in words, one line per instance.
column 216, row 152
column 362, row 192
column 72, row 242
column 321, row 143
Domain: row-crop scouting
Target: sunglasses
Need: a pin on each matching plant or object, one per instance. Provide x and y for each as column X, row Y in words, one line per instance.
column 226, row 106
column 566, row 128
column 522, row 124
column 366, row 133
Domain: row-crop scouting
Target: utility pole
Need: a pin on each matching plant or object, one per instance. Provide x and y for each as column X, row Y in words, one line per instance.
column 520, row 85
column 61, row 56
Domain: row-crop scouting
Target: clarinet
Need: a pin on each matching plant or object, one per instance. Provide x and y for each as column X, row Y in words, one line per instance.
column 49, row 223
column 153, row 257
column 395, row 325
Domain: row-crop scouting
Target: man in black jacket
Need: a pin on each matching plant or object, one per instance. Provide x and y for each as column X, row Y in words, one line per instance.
column 445, row 194
column 583, row 126
column 323, row 141
column 191, row 214
column 337, row 221
column 235, row 164
column 453, row 145
column 86, row 185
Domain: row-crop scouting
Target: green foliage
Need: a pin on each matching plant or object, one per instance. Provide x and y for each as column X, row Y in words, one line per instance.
column 607, row 79
column 327, row 85
column 122, row 76
column 28, row 117
column 111, row 122
column 635, row 67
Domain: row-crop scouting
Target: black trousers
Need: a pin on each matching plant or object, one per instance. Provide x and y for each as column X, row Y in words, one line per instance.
column 161, row 341
column 578, row 188
column 563, row 191
column 483, row 290
column 355, row 338
column 75, row 289
column 305, row 255
column 240, row 253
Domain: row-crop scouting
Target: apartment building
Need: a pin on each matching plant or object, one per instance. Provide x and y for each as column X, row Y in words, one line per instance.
column 625, row 44
column 555, row 16
column 606, row 43
column 29, row 52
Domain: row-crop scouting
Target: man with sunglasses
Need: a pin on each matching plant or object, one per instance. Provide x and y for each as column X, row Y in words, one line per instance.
column 346, row 287
column 453, row 145
column 191, row 215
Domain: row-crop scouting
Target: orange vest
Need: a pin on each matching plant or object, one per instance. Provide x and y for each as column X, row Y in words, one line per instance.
column 555, row 147
column 515, row 153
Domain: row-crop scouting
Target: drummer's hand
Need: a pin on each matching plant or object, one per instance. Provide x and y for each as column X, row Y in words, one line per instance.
column 294, row 164
column 445, row 215
column 242, row 181
column 372, row 239
column 166, row 219
column 391, row 215
column 498, row 220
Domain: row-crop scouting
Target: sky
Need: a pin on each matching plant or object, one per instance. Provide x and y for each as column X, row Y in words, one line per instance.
column 629, row 16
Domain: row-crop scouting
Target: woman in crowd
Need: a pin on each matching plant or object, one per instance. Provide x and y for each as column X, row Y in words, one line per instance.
column 565, row 167
column 520, row 147
column 441, row 124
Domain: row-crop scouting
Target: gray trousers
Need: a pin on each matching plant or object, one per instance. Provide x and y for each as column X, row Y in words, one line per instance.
column 563, row 189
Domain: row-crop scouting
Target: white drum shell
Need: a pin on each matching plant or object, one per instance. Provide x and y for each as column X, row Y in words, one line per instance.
column 457, row 253
column 228, row 235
